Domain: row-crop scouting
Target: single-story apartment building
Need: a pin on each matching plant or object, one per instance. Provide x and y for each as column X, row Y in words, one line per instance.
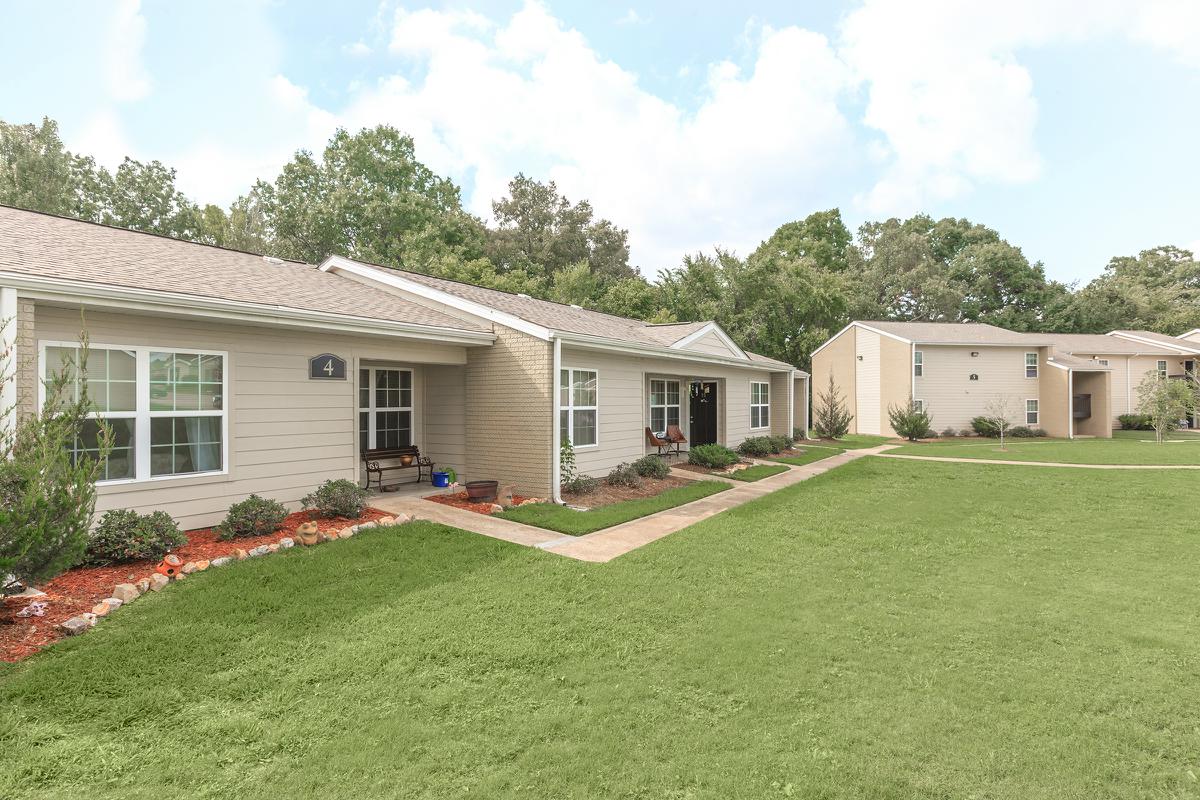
column 1067, row 384
column 224, row 373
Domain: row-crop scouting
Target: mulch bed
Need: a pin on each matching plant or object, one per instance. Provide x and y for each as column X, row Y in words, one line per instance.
column 460, row 500
column 606, row 495
column 77, row 590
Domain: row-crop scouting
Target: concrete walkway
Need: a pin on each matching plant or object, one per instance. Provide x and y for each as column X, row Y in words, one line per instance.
column 607, row 544
column 953, row 460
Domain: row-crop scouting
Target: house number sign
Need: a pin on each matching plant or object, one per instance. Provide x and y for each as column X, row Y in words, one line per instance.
column 327, row 367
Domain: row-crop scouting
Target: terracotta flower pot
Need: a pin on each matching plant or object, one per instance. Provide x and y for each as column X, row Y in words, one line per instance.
column 406, row 461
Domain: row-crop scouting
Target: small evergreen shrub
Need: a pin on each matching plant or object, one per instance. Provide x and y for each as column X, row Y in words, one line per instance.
column 713, row 456
column 337, row 498
column 831, row 417
column 949, row 432
column 125, row 535
column 624, row 474
column 254, row 516
column 1135, row 422
column 909, row 422
column 781, row 443
column 757, row 446
column 966, row 433
column 580, row 484
column 797, row 434
column 1025, row 432
column 983, row 426
column 652, row 467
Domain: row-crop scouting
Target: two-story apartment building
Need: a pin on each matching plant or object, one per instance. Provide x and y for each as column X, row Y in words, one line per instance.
column 1067, row 384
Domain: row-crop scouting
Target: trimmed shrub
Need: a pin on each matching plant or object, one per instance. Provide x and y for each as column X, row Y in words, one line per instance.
column 580, row 484
column 337, row 498
column 652, row 467
column 949, row 432
column 781, row 443
column 713, row 456
column 797, row 434
column 125, row 535
column 1135, row 422
column 984, row 426
column 909, row 422
column 757, row 446
column 254, row 516
column 966, row 433
column 624, row 474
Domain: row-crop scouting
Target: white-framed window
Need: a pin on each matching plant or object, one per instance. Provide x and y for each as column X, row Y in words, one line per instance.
column 1031, row 365
column 166, row 408
column 664, row 404
column 579, row 415
column 385, row 407
column 1162, row 368
column 760, row 404
column 1102, row 362
column 918, row 364
column 919, row 406
column 1031, row 412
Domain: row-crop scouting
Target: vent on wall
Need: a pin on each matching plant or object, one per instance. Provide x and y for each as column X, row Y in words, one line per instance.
column 974, row 377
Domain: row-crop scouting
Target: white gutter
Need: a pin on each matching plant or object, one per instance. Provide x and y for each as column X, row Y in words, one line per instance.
column 555, row 467
column 8, row 369
column 182, row 304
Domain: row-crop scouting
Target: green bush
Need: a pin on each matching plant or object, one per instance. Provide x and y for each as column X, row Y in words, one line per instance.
column 254, row 516
column 652, row 466
column 949, row 432
column 983, row 426
column 797, row 434
column 624, row 474
column 781, row 443
column 909, row 421
column 125, row 535
column 1025, row 432
column 1135, row 422
column 580, row 484
column 757, row 446
column 713, row 456
column 338, row 498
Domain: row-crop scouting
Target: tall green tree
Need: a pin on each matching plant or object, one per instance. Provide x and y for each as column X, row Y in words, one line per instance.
column 39, row 173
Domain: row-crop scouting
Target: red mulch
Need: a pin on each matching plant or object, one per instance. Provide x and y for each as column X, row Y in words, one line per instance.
column 80, row 589
column 459, row 500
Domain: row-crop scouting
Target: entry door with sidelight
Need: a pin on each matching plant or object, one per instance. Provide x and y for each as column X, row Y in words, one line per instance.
column 385, row 398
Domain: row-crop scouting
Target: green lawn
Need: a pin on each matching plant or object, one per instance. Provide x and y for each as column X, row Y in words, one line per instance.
column 758, row 472
column 855, row 441
column 810, row 454
column 577, row 523
column 889, row 629
column 1126, row 447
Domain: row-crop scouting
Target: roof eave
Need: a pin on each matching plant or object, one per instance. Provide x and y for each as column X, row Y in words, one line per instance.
column 605, row 343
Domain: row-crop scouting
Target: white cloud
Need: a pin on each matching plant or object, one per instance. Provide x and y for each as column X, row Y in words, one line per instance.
column 103, row 138
column 125, row 75
column 359, row 49
column 632, row 17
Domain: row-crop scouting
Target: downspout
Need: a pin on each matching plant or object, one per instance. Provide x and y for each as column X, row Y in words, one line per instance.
column 8, row 369
column 555, row 467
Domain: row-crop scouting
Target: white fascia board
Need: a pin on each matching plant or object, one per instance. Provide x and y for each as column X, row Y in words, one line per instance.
column 652, row 351
column 715, row 329
column 1056, row 365
column 1144, row 340
column 1026, row 345
column 190, row 305
column 385, row 277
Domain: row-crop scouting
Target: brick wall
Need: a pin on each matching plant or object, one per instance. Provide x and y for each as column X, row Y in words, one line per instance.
column 27, row 355
column 510, row 412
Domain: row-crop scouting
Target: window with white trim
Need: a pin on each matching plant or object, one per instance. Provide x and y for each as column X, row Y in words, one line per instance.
column 664, row 405
column 919, row 406
column 1031, row 412
column 918, row 364
column 760, row 404
column 166, row 409
column 385, row 407
column 1102, row 362
column 1162, row 368
column 578, row 416
column 1031, row 365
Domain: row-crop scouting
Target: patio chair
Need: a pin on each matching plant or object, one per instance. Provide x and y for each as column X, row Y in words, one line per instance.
column 677, row 438
column 665, row 446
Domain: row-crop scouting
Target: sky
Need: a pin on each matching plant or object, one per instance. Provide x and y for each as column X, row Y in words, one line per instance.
column 1067, row 125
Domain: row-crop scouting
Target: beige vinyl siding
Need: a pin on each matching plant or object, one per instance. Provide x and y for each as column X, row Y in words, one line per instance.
column 781, row 403
column 444, row 420
column 1054, row 405
column 287, row 433
column 510, row 412
column 837, row 359
column 895, row 379
column 953, row 399
column 800, row 404
column 624, row 405
column 712, row 344
column 868, row 398
column 1099, row 386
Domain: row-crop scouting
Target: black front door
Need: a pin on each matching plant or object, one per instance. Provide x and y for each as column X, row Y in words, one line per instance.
column 704, row 412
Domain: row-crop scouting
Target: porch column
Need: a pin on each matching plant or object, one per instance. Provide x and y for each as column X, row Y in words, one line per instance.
column 8, row 359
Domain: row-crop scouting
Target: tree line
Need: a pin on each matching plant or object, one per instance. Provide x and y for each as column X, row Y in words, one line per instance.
column 368, row 197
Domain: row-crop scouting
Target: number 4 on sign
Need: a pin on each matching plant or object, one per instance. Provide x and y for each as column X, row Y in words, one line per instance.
column 328, row 368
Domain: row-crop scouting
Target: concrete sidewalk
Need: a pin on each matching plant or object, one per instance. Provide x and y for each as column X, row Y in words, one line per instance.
column 607, row 544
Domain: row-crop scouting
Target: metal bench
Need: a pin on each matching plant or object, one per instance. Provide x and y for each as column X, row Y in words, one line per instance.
column 372, row 463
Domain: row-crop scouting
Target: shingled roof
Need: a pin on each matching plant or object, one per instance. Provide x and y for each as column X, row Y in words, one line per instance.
column 48, row 246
